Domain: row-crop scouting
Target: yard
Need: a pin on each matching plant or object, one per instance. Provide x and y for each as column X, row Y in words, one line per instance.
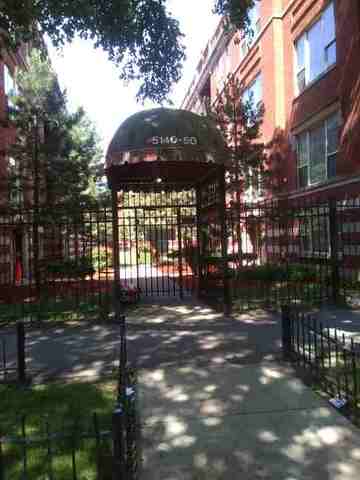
column 63, row 425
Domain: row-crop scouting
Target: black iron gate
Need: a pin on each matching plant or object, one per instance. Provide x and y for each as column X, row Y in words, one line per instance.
column 157, row 241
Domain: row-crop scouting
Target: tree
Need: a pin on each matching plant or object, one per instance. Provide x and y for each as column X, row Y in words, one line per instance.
column 141, row 36
column 54, row 157
column 55, row 153
column 240, row 123
column 236, row 11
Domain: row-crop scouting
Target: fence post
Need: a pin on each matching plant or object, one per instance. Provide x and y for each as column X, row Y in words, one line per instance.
column 21, row 361
column 286, row 331
column 224, row 241
column 2, row 467
column 334, row 247
column 118, row 470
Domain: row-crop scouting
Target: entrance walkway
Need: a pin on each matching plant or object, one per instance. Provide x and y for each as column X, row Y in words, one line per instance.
column 242, row 422
column 216, row 401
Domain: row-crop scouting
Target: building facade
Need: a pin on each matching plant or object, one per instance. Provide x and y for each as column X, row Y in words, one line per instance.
column 13, row 240
column 9, row 63
column 303, row 62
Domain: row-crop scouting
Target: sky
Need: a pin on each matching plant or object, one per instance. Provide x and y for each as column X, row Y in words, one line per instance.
column 92, row 81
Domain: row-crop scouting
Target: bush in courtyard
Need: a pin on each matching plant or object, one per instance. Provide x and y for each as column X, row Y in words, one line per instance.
column 71, row 268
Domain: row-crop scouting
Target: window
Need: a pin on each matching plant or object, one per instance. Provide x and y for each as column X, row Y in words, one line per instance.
column 15, row 193
column 317, row 151
column 223, row 68
column 314, row 233
column 316, row 49
column 254, row 16
column 9, row 85
column 253, row 92
column 254, row 28
column 9, row 82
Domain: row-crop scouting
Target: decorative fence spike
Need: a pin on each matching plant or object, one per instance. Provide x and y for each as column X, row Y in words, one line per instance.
column 331, row 358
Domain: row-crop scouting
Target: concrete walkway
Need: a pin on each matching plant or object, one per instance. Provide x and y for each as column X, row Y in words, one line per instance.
column 216, row 400
column 242, row 422
column 217, row 403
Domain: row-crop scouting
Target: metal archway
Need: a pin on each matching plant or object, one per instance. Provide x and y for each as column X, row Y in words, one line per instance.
column 165, row 169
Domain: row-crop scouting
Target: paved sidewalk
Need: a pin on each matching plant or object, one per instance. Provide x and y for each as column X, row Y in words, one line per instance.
column 245, row 422
column 159, row 335
column 216, row 401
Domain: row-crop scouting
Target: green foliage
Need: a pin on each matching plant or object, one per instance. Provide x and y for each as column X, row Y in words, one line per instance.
column 263, row 273
column 56, row 153
column 96, row 306
column 302, row 273
column 236, row 11
column 71, row 268
column 278, row 273
column 128, row 257
column 101, row 258
column 65, row 411
column 189, row 253
column 139, row 36
column 240, row 124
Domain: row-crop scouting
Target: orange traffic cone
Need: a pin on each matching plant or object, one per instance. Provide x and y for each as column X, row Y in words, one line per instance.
column 18, row 271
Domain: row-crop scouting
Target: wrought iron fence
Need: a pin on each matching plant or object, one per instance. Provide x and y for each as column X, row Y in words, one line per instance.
column 294, row 252
column 103, row 447
column 12, row 354
column 92, row 451
column 281, row 251
column 55, row 265
column 331, row 359
column 126, row 422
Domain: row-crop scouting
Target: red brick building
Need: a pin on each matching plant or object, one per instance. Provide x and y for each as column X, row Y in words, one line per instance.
column 303, row 63
column 13, row 241
column 9, row 62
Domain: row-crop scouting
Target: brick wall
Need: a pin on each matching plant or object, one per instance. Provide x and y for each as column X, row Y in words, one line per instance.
column 273, row 53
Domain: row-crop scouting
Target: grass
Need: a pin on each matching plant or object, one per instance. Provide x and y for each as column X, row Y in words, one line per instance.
column 58, row 310
column 55, row 408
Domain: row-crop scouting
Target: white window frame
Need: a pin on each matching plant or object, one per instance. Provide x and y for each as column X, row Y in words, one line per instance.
column 306, row 69
column 328, row 154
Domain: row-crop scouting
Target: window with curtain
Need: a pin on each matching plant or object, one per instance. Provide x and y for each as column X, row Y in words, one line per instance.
column 316, row 49
column 317, row 151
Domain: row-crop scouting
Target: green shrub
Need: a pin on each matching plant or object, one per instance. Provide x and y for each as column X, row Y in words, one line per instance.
column 102, row 258
column 71, row 268
column 279, row 273
column 302, row 273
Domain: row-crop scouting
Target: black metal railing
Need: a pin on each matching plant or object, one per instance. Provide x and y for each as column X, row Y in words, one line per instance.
column 13, row 354
column 299, row 252
column 279, row 251
column 66, row 274
column 104, row 446
column 330, row 358
column 126, row 425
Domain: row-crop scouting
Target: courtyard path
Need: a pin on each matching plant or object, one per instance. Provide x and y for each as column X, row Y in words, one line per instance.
column 216, row 401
